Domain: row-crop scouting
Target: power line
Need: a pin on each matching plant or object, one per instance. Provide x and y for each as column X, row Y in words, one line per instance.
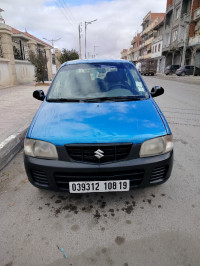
column 66, row 15
column 63, row 13
column 70, row 12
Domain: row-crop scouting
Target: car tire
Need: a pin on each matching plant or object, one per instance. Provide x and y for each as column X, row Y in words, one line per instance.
column 183, row 74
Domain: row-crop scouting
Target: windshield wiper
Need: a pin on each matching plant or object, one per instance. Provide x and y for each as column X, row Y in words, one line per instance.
column 116, row 98
column 59, row 100
column 99, row 99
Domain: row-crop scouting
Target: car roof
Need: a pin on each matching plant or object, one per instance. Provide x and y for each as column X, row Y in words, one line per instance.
column 85, row 61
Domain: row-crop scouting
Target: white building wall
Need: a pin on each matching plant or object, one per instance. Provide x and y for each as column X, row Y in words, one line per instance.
column 4, row 72
column 53, row 69
column 25, row 71
column 155, row 53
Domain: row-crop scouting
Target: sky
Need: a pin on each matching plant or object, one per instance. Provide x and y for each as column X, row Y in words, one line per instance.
column 117, row 22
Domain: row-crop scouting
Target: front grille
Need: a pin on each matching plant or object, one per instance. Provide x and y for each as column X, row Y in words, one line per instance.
column 158, row 174
column 40, row 178
column 62, row 179
column 86, row 153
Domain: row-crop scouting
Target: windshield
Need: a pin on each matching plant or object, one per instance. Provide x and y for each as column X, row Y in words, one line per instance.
column 95, row 81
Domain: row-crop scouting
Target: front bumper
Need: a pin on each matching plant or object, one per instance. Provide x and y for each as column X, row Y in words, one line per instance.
column 56, row 174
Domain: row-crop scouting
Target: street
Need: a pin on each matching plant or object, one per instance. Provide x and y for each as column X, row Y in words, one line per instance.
column 152, row 226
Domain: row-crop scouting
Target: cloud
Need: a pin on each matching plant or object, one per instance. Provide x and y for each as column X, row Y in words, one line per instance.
column 117, row 21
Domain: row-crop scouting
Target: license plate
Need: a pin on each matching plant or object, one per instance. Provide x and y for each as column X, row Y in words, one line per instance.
column 99, row 186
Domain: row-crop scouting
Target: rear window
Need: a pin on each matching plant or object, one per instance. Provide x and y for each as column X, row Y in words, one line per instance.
column 93, row 80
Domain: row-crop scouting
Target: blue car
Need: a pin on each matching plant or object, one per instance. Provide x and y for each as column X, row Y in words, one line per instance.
column 98, row 129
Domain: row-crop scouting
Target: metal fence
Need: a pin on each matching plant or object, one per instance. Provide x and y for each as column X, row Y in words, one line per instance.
column 20, row 50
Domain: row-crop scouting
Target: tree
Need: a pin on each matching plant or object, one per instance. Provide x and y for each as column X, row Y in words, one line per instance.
column 39, row 60
column 68, row 55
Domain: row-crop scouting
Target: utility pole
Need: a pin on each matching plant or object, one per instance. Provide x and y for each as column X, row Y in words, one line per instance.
column 52, row 41
column 186, row 37
column 86, row 23
column 95, row 46
column 79, row 31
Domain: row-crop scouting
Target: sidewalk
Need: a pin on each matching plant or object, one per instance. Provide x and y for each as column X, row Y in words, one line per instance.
column 186, row 79
column 17, row 108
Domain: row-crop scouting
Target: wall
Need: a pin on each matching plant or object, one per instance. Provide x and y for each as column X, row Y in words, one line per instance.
column 158, row 53
column 53, row 69
column 24, row 71
column 4, row 72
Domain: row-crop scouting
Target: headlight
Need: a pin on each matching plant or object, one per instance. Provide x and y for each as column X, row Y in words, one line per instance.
column 157, row 146
column 40, row 149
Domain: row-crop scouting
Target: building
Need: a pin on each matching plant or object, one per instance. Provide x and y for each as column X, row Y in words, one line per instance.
column 136, row 42
column 157, row 43
column 194, row 33
column 14, row 54
column 124, row 54
column 130, row 54
column 176, row 33
column 147, row 34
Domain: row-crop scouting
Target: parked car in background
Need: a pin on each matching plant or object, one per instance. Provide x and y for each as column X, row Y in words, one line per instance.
column 98, row 130
column 187, row 70
column 171, row 69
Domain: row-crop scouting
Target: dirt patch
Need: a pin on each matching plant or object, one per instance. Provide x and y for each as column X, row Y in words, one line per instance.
column 75, row 227
column 119, row 240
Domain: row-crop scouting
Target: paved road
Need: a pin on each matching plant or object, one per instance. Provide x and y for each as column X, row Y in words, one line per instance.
column 16, row 108
column 154, row 226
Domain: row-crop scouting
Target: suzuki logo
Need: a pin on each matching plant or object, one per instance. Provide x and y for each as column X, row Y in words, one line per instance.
column 99, row 154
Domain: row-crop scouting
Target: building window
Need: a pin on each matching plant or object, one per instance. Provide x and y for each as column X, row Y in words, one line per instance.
column 155, row 48
column 159, row 48
column 174, row 35
column 178, row 12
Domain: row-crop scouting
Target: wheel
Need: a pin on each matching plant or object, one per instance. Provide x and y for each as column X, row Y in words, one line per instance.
column 183, row 74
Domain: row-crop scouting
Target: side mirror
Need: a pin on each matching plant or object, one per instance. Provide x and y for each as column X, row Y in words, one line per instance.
column 157, row 91
column 39, row 95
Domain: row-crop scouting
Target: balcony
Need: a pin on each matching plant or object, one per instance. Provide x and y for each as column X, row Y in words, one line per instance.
column 157, row 39
column 169, row 9
column 130, row 51
column 149, row 41
column 141, row 46
column 194, row 40
column 149, row 28
column 196, row 14
column 147, row 56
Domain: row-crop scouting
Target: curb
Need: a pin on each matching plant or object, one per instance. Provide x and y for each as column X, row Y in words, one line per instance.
column 11, row 146
column 186, row 79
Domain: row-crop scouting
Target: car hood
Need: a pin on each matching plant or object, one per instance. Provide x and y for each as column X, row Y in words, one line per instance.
column 108, row 122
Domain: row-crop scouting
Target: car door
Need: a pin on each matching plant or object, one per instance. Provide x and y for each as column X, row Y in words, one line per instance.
column 187, row 70
column 191, row 70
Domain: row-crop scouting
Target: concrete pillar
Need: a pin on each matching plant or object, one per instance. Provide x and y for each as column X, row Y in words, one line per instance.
column 7, row 51
column 57, row 54
column 173, row 55
column 32, row 46
column 193, row 57
column 49, row 62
